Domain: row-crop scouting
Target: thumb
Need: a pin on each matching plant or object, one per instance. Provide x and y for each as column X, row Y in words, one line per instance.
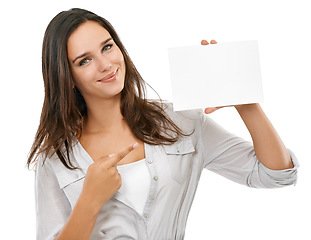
column 211, row 109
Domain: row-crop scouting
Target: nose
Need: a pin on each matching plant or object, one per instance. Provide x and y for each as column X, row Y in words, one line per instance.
column 103, row 63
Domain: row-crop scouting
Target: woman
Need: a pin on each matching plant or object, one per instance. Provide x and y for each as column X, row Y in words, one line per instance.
column 111, row 164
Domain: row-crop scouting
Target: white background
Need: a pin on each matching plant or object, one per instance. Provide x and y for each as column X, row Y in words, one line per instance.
column 221, row 209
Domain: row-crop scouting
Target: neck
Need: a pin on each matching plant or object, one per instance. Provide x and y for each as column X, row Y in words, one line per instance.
column 104, row 116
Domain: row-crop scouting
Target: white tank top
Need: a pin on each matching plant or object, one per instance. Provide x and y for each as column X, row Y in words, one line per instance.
column 135, row 183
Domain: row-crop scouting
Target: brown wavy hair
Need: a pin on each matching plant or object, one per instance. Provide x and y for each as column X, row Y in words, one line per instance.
column 63, row 109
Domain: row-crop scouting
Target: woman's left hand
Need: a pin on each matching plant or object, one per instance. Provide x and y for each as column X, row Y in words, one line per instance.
column 210, row 109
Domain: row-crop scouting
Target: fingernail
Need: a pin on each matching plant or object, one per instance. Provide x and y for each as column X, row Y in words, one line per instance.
column 204, row 42
column 135, row 145
column 111, row 155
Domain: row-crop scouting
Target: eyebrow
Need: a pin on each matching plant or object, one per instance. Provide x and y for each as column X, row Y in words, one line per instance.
column 86, row 53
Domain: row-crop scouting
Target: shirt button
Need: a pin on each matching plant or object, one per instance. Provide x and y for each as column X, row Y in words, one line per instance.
column 151, row 197
column 146, row 215
column 149, row 161
column 155, row 178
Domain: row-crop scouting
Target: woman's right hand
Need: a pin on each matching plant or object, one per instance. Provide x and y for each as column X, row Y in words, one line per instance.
column 102, row 179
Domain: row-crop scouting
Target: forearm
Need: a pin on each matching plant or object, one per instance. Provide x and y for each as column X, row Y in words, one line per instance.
column 81, row 221
column 268, row 146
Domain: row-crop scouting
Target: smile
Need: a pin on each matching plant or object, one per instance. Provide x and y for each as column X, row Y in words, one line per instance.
column 110, row 77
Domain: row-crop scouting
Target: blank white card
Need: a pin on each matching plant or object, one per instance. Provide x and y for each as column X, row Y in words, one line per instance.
column 215, row 75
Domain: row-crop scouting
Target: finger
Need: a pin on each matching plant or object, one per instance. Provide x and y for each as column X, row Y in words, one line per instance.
column 213, row 42
column 211, row 109
column 117, row 157
column 204, row 42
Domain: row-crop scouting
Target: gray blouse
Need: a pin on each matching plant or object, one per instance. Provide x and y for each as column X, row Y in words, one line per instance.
column 175, row 171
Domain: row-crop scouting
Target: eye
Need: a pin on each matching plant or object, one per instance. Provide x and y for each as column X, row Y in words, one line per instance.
column 84, row 61
column 107, row 47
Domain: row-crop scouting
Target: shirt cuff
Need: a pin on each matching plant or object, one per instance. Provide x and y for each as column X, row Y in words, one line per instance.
column 284, row 177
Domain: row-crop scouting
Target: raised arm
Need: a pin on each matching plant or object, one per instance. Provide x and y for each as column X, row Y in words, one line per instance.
column 268, row 146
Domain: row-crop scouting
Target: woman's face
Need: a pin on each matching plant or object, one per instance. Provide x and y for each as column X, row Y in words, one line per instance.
column 96, row 62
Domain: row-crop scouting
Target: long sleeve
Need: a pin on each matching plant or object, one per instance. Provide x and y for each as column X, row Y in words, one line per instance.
column 52, row 206
column 234, row 158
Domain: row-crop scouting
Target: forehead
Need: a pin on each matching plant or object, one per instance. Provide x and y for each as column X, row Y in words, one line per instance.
column 86, row 38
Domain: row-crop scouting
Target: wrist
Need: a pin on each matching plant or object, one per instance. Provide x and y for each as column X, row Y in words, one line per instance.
column 247, row 107
column 88, row 204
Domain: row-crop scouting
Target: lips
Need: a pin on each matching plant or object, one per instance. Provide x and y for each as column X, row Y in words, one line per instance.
column 110, row 77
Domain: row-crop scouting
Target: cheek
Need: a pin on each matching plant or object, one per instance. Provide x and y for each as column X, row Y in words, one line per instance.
column 123, row 66
column 118, row 58
column 80, row 79
column 77, row 78
column 82, row 76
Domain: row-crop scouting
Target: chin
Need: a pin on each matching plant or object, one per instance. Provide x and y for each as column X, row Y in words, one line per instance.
column 115, row 91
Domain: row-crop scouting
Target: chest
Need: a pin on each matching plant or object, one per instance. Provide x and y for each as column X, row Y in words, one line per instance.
column 98, row 146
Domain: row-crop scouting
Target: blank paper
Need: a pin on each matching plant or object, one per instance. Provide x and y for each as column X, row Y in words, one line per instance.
column 215, row 75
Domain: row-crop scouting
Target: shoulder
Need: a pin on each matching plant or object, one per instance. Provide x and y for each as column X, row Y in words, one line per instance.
column 53, row 163
column 187, row 120
column 51, row 169
column 195, row 116
column 168, row 108
column 191, row 116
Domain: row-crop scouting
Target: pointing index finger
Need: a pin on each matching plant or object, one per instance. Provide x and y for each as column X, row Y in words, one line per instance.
column 117, row 157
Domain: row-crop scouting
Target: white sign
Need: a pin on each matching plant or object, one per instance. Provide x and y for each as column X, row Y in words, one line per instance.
column 215, row 75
